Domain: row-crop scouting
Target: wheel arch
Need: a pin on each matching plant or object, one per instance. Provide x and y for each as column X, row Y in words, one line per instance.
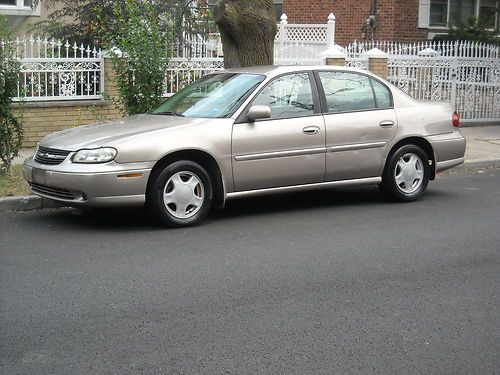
column 203, row 158
column 424, row 144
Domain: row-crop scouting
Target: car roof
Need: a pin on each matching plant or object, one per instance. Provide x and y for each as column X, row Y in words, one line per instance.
column 274, row 70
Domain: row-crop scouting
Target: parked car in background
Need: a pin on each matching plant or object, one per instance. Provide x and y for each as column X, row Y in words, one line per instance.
column 251, row 131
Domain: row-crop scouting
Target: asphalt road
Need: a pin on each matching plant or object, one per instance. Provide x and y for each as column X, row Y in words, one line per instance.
column 332, row 282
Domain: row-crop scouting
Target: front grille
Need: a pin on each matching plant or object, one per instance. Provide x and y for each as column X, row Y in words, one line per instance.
column 52, row 192
column 50, row 156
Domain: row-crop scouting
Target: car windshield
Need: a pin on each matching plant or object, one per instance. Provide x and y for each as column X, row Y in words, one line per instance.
column 213, row 96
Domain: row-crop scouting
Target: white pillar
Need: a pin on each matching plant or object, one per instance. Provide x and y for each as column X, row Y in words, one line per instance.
column 330, row 31
column 282, row 28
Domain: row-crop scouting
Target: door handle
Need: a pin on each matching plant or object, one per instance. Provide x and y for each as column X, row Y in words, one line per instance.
column 386, row 123
column 310, row 130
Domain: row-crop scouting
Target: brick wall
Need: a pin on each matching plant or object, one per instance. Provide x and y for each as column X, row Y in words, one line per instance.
column 378, row 66
column 42, row 118
column 396, row 19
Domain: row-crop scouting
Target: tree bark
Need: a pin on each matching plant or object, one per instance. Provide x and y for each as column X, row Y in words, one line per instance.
column 247, row 29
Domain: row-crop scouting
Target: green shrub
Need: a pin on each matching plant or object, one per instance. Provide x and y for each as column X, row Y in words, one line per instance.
column 137, row 39
column 11, row 131
column 476, row 29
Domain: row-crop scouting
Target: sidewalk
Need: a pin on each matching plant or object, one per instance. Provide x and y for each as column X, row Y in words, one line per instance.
column 483, row 145
column 483, row 150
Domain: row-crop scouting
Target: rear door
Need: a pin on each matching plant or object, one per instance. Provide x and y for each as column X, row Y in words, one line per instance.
column 360, row 123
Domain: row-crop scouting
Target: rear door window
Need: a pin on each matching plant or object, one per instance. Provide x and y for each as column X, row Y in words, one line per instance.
column 347, row 92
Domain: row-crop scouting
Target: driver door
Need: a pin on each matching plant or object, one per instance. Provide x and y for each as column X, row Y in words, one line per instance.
column 286, row 149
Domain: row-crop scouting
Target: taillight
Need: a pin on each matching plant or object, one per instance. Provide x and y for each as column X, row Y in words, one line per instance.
column 456, row 120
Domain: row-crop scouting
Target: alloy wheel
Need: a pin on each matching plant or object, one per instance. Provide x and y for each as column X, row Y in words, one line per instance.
column 183, row 195
column 409, row 173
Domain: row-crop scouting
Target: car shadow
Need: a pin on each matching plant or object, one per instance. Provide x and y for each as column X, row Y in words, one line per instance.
column 115, row 220
column 300, row 201
column 139, row 219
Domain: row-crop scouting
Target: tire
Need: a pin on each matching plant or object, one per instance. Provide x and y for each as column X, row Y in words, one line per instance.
column 406, row 174
column 180, row 195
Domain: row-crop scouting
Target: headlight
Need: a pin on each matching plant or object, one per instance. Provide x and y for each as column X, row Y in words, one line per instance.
column 97, row 155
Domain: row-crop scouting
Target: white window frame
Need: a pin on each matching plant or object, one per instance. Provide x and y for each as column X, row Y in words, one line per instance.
column 424, row 13
column 19, row 9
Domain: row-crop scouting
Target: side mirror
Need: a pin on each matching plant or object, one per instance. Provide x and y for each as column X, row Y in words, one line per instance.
column 257, row 112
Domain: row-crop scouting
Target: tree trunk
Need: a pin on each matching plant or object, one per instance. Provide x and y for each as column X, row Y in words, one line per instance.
column 247, row 29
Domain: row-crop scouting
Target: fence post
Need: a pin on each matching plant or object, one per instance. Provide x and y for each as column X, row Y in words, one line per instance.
column 110, row 89
column 109, row 76
column 425, row 73
column 335, row 56
column 283, row 36
column 454, row 78
column 330, row 31
column 377, row 62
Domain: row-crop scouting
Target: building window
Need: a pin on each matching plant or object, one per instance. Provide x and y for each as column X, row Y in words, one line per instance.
column 439, row 13
column 20, row 4
column 461, row 11
column 278, row 8
column 488, row 11
column 451, row 12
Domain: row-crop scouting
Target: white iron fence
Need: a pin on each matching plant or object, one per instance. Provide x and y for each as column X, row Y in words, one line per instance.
column 57, row 70
column 181, row 72
column 467, row 74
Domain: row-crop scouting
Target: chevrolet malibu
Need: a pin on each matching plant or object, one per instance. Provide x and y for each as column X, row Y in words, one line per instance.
column 250, row 131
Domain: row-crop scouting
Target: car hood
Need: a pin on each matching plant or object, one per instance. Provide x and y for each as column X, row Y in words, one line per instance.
column 108, row 132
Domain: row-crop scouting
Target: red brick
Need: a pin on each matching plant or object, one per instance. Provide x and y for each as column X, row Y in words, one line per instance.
column 397, row 20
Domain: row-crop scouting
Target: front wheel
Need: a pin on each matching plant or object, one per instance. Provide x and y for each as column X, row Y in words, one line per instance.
column 406, row 174
column 181, row 194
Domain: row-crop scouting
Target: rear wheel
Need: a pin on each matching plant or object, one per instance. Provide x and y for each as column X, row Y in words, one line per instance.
column 406, row 174
column 181, row 194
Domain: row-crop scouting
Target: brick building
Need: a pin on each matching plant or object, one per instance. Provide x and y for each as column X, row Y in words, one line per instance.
column 398, row 20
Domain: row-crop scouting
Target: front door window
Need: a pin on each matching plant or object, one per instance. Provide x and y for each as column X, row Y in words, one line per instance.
column 288, row 96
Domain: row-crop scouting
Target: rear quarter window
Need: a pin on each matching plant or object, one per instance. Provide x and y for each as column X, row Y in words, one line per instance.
column 383, row 96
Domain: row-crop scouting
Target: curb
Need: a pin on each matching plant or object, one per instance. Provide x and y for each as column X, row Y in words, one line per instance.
column 474, row 164
column 26, row 203
column 34, row 202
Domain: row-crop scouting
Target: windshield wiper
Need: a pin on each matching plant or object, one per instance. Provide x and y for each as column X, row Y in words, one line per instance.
column 169, row 113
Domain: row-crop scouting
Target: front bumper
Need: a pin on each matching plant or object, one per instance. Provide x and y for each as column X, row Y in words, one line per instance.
column 92, row 185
